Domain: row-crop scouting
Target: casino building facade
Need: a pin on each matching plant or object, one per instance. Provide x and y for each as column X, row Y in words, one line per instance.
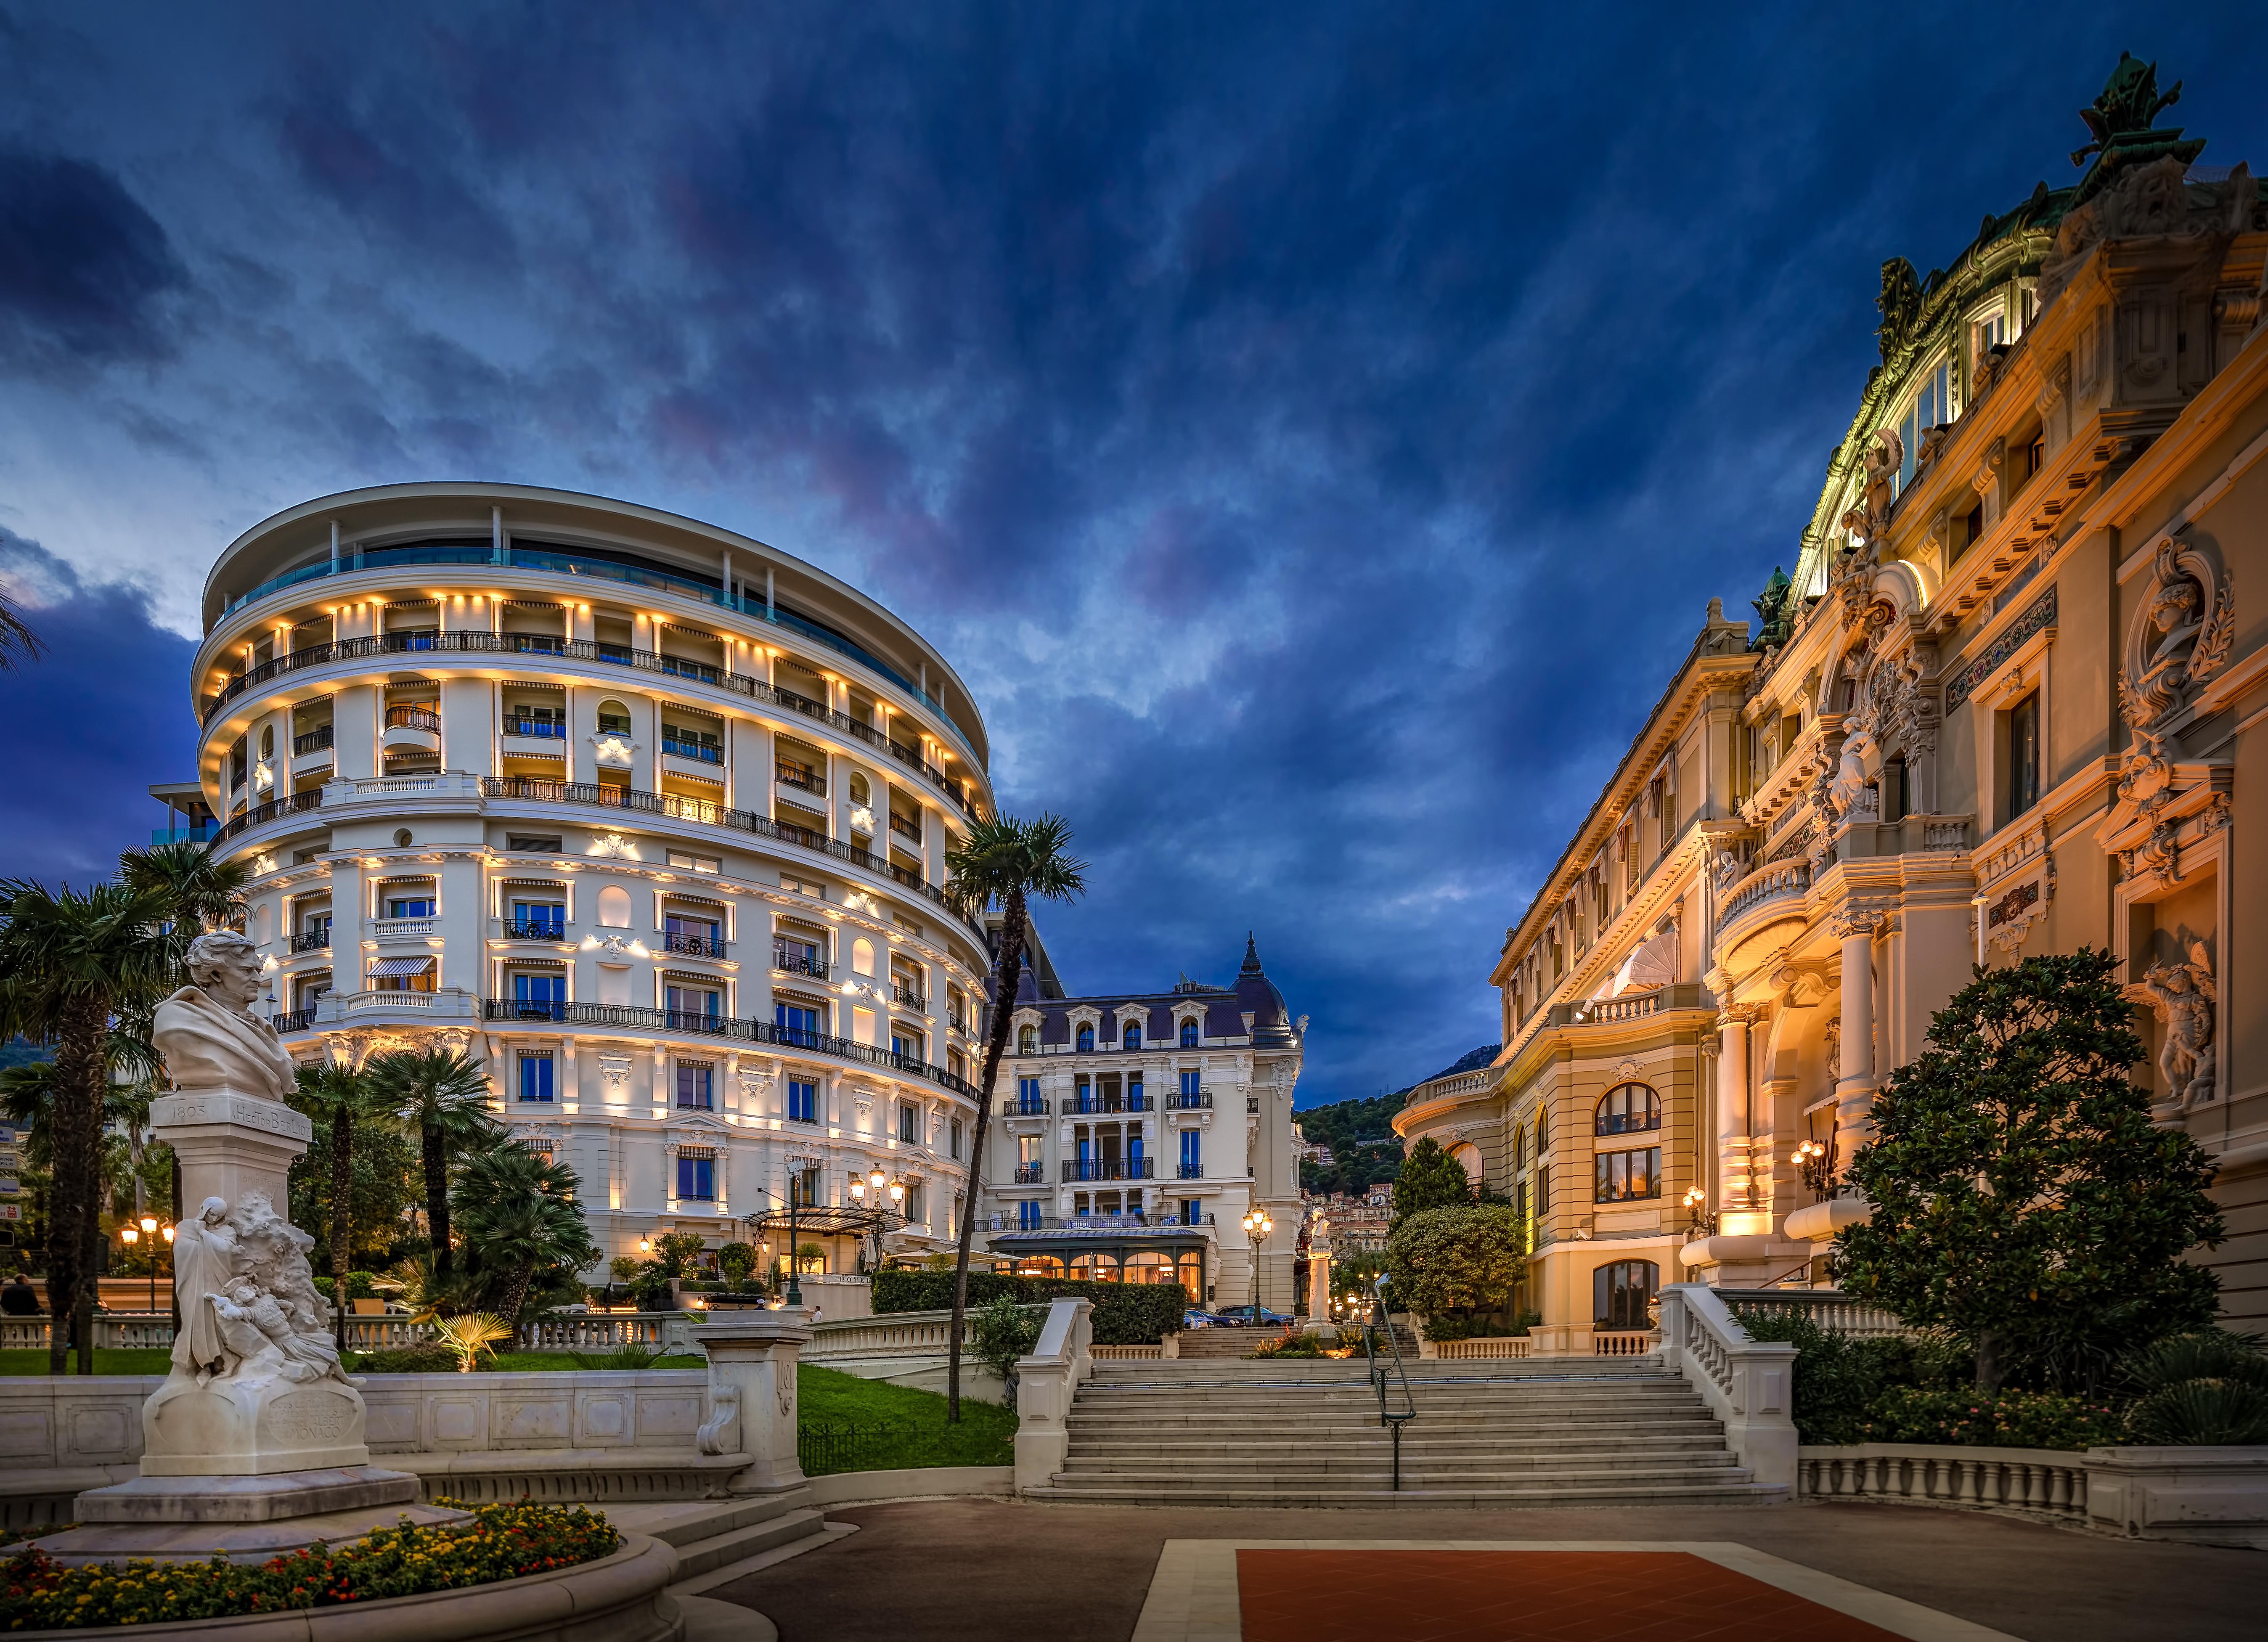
column 649, row 817
column 2014, row 701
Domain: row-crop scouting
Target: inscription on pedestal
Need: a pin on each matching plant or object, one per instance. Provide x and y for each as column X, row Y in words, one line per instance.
column 309, row 1419
column 226, row 1106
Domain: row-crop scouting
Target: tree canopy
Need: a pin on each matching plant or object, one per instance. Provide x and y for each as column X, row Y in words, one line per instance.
column 1429, row 1178
column 2022, row 1198
column 1464, row 1258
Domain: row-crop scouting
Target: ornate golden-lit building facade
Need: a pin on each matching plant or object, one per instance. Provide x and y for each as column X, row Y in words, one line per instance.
column 2011, row 703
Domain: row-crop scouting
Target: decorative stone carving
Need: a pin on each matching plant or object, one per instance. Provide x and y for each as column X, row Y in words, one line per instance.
column 207, row 1031
column 2182, row 996
column 2151, row 201
column 1846, row 791
column 2177, row 639
column 1831, row 1048
column 615, row 1070
column 720, row 1432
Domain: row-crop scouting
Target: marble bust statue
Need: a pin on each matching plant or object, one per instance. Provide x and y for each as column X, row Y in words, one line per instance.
column 207, row 1031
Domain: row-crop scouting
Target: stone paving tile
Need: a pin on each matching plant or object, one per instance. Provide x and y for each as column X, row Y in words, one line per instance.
column 960, row 1569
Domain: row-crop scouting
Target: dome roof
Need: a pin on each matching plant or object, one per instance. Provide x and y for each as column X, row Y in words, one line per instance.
column 1257, row 995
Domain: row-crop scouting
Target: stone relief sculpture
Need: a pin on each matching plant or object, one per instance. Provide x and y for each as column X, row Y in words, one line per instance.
column 2182, row 996
column 249, row 1304
column 1847, row 792
column 207, row 1031
column 722, row 1427
column 2177, row 640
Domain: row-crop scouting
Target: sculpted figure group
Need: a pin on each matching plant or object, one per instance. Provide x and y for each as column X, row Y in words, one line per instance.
column 249, row 1304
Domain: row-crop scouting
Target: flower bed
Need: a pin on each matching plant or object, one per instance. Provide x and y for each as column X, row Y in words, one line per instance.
column 502, row 1542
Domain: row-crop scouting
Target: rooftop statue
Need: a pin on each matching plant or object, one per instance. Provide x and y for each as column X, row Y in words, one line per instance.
column 207, row 1031
column 2130, row 102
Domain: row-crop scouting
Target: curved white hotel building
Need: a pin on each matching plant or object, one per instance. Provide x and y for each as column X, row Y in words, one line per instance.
column 648, row 816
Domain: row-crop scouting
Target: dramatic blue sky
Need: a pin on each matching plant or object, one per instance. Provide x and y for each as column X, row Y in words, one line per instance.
column 1313, row 430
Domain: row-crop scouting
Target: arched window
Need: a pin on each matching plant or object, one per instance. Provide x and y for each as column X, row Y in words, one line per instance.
column 1190, row 1033
column 860, row 792
column 1632, row 1109
column 614, row 908
column 1621, row 1292
column 1147, row 1267
column 1467, row 1157
column 1094, row 1269
column 1025, row 1040
column 268, row 740
column 614, row 717
column 862, row 956
column 1085, row 1038
column 1132, row 1037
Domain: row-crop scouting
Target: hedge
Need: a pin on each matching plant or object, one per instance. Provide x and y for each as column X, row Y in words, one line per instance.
column 1126, row 1313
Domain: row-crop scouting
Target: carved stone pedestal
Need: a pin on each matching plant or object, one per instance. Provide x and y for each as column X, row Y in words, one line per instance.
column 752, row 1360
column 255, row 1444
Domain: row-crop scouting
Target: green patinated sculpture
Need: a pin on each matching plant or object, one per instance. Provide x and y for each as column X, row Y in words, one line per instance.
column 2121, row 122
column 1776, row 618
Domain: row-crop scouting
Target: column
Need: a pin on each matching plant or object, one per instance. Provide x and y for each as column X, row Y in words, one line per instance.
column 1854, row 1087
column 1733, row 1128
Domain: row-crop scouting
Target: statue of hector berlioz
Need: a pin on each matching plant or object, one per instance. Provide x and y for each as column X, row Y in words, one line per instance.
column 249, row 1304
column 207, row 1031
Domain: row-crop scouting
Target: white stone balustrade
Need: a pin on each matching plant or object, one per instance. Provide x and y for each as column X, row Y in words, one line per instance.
column 2030, row 1479
column 1046, row 1382
column 1748, row 1384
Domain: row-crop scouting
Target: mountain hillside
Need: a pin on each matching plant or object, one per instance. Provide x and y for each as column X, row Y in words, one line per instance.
column 1364, row 1148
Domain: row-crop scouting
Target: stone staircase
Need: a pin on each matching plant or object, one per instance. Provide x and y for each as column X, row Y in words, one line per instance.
column 1219, row 1345
column 1545, row 1432
column 708, row 1535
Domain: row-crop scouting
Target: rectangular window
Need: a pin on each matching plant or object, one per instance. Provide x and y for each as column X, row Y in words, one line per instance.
column 909, row 1125
column 1027, row 1149
column 904, row 1044
column 695, row 1085
column 535, row 1077
column 1624, row 1176
column 539, row 919
column 1028, row 1095
column 539, row 842
column 797, row 1026
column 1191, row 1207
column 692, row 1005
column 802, row 1101
column 803, row 1187
column 684, row 933
column 2024, row 754
column 683, row 862
column 409, row 906
column 1027, row 1215
column 955, row 1133
column 696, row 1177
column 1931, row 404
column 1192, row 1154
column 915, row 1213
column 539, row 997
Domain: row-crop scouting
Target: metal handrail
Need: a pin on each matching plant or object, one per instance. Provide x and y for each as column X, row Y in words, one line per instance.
column 1388, row 1416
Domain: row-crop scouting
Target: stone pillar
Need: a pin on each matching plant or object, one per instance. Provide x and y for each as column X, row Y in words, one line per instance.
column 752, row 1406
column 1854, row 1087
column 1733, row 1137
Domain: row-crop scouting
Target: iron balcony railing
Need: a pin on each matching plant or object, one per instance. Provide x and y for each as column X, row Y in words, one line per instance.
column 1025, row 1106
column 1132, row 1100
column 701, row 810
column 689, row 942
column 587, row 650
column 407, row 717
column 293, row 1020
column 296, row 804
column 957, row 1022
column 1110, row 1168
column 1189, row 1100
column 1029, row 1175
column 802, row 776
column 705, row 752
column 900, row 993
column 905, row 827
column 314, row 940
column 790, row 961
column 314, row 742
column 541, row 729
column 1188, row 1171
column 535, row 929
column 718, row 1025
column 1099, row 1224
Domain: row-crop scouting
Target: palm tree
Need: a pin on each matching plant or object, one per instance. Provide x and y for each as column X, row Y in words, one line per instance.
column 203, row 891
column 69, row 963
column 1006, row 862
column 516, row 1210
column 444, row 1097
column 344, row 1098
column 17, row 642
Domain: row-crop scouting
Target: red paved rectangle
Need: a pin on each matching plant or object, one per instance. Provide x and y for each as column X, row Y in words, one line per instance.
column 1522, row 1596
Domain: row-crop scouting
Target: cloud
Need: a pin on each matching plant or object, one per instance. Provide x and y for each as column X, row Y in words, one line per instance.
column 83, row 267
column 94, row 722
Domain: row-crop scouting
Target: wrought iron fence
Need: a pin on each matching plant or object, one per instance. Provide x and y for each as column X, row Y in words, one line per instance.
column 848, row 1445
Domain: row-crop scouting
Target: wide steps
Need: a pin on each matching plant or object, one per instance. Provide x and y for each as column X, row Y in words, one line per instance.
column 1503, row 1433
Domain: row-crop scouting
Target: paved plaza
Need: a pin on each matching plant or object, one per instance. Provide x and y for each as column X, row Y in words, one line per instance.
column 943, row 1570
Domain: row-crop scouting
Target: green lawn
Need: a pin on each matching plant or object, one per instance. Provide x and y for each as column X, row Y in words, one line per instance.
column 154, row 1360
column 985, row 1436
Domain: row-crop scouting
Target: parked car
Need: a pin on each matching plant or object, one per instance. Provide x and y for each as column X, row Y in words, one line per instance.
column 1252, row 1316
column 1194, row 1318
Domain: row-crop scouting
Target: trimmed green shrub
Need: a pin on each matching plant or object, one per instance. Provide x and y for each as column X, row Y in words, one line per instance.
column 1126, row 1313
column 1839, row 1378
column 426, row 1357
column 1461, row 1261
column 2005, row 1420
column 1003, row 1333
